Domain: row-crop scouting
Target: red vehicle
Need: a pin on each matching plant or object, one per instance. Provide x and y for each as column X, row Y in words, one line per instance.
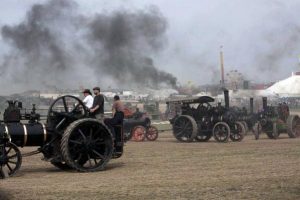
column 137, row 126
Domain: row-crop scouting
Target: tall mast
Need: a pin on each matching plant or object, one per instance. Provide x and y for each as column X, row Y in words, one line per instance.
column 222, row 67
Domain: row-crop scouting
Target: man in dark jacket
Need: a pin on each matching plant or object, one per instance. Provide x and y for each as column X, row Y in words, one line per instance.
column 97, row 109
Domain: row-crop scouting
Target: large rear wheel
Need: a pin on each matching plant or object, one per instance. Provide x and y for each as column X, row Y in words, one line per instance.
column 87, row 145
column 185, row 128
column 293, row 125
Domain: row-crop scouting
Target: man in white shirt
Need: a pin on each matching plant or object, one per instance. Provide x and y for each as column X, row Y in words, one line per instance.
column 88, row 99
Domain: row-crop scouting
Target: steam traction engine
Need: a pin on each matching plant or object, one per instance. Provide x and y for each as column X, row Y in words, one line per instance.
column 69, row 139
column 276, row 120
column 200, row 121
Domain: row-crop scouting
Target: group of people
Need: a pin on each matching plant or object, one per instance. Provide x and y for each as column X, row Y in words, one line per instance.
column 95, row 105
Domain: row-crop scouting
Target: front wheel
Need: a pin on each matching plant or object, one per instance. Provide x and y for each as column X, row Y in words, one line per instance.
column 238, row 132
column 221, row 132
column 11, row 158
column 152, row 133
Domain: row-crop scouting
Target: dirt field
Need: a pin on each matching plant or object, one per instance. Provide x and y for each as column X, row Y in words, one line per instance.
column 167, row 169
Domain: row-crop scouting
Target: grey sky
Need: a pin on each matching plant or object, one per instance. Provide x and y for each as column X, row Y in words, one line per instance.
column 261, row 38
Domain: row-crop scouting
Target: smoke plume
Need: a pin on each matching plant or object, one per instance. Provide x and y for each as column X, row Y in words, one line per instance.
column 123, row 41
column 56, row 46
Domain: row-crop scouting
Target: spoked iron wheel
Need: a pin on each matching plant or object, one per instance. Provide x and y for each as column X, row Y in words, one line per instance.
column 12, row 158
column 238, row 132
column 257, row 128
column 64, row 110
column 152, row 133
column 87, row 145
column 221, row 132
column 272, row 130
column 138, row 133
column 246, row 127
column 185, row 128
column 293, row 124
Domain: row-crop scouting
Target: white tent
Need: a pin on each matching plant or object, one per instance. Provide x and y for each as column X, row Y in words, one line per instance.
column 289, row 87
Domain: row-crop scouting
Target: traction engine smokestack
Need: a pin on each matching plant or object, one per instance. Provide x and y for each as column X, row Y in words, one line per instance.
column 265, row 103
column 226, row 98
column 251, row 106
column 222, row 67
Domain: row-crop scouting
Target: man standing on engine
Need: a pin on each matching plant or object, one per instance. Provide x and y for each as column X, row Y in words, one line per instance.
column 97, row 109
column 88, row 99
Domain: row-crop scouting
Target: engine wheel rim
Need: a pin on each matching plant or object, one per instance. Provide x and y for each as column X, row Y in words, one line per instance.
column 139, row 133
column 221, row 132
column 12, row 160
column 88, row 146
column 297, row 130
column 60, row 114
column 183, row 129
column 238, row 132
column 152, row 133
column 295, row 126
column 246, row 126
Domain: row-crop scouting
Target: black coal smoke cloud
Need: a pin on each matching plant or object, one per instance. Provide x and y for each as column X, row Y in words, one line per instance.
column 126, row 39
column 56, row 46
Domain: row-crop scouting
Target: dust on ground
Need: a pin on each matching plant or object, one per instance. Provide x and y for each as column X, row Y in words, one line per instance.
column 167, row 169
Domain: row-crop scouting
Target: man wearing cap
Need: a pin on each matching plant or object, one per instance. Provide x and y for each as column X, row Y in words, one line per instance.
column 88, row 99
column 97, row 109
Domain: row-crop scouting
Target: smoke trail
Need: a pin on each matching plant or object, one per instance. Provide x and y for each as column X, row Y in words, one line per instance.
column 56, row 46
column 38, row 52
column 127, row 39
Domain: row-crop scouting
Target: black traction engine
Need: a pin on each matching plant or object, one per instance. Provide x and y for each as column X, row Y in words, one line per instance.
column 67, row 137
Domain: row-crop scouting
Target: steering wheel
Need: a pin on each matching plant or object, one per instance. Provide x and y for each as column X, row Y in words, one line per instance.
column 65, row 108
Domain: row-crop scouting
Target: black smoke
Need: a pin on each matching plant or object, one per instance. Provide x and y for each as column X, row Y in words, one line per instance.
column 55, row 45
column 123, row 40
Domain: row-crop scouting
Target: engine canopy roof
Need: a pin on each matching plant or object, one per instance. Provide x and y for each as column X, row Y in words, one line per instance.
column 192, row 100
